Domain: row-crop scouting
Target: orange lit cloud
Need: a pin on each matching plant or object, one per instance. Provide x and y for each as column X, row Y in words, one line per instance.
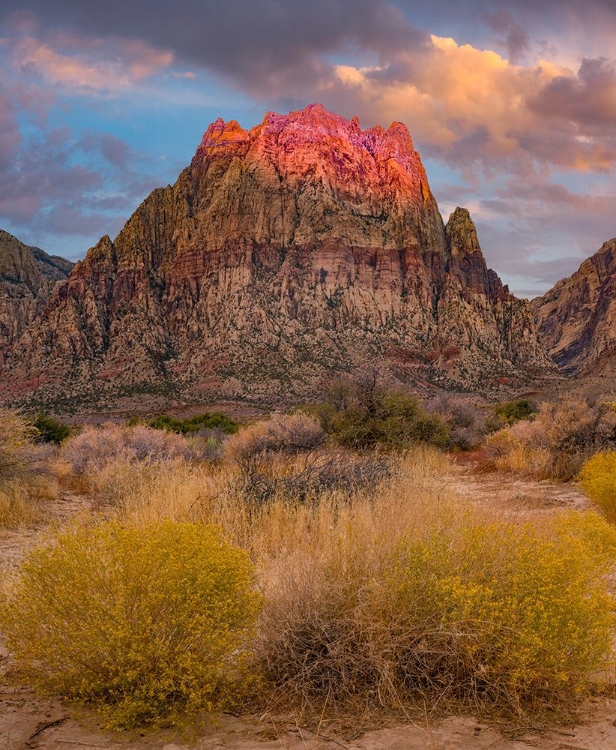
column 478, row 103
column 106, row 67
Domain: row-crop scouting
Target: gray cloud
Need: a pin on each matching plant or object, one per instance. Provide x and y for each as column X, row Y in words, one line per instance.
column 587, row 99
column 257, row 44
column 114, row 150
column 514, row 37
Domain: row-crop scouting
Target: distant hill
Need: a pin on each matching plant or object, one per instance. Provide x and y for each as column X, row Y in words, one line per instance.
column 577, row 317
column 28, row 277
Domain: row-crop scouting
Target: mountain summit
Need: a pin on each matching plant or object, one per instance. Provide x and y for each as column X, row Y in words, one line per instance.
column 303, row 247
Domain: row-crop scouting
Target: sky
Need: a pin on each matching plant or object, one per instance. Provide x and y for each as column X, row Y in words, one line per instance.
column 511, row 104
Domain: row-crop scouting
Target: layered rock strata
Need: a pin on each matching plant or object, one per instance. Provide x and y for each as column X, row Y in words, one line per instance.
column 283, row 254
column 577, row 317
column 27, row 280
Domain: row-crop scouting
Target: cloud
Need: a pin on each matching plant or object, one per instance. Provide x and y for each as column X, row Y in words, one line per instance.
column 106, row 66
column 113, row 149
column 10, row 137
column 465, row 104
column 587, row 99
column 514, row 37
column 258, row 45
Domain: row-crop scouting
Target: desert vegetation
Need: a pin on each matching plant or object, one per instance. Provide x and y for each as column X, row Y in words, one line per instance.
column 25, row 475
column 286, row 567
column 554, row 442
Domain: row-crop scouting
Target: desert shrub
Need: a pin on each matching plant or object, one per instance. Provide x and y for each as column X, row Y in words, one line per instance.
column 509, row 628
column 510, row 412
column 465, row 422
column 285, row 457
column 371, row 417
column 16, row 435
column 306, row 478
column 49, row 430
column 556, row 441
column 145, row 623
column 598, row 478
column 197, row 424
column 25, row 475
column 289, row 434
column 94, row 448
column 494, row 617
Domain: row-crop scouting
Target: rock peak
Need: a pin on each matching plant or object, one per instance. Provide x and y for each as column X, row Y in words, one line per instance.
column 462, row 234
column 283, row 254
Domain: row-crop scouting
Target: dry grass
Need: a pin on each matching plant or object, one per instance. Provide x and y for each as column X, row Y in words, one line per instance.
column 391, row 595
column 407, row 596
column 26, row 480
column 555, row 442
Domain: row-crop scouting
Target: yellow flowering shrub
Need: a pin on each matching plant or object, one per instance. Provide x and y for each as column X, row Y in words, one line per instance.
column 148, row 623
column 503, row 614
column 598, row 478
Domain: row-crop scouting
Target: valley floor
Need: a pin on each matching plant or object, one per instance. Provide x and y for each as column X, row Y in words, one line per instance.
column 30, row 723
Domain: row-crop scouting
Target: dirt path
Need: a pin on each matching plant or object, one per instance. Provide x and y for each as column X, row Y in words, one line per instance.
column 31, row 723
column 514, row 495
column 14, row 544
column 28, row 723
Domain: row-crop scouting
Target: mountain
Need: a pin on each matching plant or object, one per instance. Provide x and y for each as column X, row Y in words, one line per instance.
column 283, row 254
column 27, row 279
column 577, row 317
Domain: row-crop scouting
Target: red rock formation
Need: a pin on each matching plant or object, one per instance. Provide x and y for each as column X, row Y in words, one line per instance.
column 577, row 317
column 27, row 278
column 302, row 247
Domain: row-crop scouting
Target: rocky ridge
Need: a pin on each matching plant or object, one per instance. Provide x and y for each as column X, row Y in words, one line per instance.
column 577, row 317
column 283, row 254
column 27, row 280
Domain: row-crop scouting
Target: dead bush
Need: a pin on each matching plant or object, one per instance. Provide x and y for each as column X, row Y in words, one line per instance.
column 556, row 441
column 288, row 434
column 95, row 448
column 310, row 475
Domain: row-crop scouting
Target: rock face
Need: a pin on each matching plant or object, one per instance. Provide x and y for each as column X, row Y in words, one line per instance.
column 301, row 248
column 27, row 279
column 577, row 317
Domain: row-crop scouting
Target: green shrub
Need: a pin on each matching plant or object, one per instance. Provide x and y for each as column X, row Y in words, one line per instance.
column 213, row 421
column 514, row 411
column 598, row 478
column 146, row 623
column 49, row 430
column 376, row 418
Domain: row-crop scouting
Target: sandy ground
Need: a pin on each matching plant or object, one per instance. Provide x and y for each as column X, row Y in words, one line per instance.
column 28, row 722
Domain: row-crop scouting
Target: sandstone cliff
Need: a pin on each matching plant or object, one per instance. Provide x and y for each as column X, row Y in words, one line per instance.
column 303, row 247
column 27, row 279
column 577, row 317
